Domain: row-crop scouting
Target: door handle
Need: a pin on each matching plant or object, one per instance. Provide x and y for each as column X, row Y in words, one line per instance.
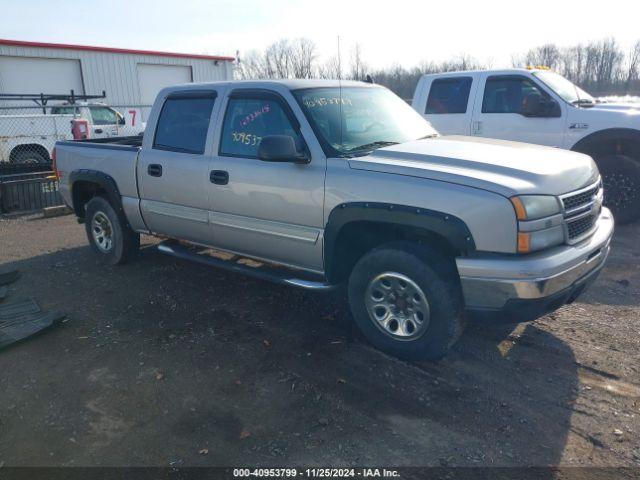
column 154, row 170
column 219, row 177
column 98, row 130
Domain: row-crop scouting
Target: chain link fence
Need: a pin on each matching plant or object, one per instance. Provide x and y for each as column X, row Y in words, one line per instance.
column 28, row 134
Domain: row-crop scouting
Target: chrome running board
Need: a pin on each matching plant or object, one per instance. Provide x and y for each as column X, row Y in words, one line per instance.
column 279, row 275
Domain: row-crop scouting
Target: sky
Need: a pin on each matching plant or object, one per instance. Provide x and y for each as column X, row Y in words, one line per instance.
column 391, row 32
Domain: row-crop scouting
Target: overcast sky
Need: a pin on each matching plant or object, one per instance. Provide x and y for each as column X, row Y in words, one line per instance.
column 396, row 31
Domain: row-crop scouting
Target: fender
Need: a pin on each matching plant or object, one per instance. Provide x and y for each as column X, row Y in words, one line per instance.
column 587, row 144
column 106, row 182
column 450, row 227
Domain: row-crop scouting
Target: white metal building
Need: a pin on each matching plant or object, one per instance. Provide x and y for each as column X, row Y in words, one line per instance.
column 130, row 78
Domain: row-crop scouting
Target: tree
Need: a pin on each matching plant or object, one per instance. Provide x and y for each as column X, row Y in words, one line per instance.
column 633, row 71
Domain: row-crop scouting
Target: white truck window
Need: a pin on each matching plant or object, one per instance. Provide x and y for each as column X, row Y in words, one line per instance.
column 507, row 94
column 183, row 123
column 103, row 116
column 247, row 120
column 449, row 95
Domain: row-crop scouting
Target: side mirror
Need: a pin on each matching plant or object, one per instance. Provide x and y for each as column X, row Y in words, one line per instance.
column 121, row 120
column 280, row 148
column 535, row 105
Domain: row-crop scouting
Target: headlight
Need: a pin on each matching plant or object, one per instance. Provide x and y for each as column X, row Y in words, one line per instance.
column 532, row 207
column 539, row 222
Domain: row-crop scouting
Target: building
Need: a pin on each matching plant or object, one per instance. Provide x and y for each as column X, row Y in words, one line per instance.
column 130, row 78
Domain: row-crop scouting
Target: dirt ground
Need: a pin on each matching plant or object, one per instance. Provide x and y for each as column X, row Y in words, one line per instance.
column 164, row 362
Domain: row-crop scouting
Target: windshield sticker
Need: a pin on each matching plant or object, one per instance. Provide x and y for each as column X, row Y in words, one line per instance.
column 245, row 138
column 323, row 102
column 266, row 108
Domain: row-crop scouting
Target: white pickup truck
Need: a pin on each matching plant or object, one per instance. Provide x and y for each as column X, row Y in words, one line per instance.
column 30, row 138
column 331, row 184
column 542, row 107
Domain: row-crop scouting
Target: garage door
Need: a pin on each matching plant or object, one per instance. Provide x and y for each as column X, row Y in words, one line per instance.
column 153, row 78
column 40, row 75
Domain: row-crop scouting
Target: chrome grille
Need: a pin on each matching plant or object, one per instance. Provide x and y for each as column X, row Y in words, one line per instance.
column 581, row 210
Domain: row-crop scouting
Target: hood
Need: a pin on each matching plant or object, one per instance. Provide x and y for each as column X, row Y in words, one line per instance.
column 634, row 107
column 507, row 168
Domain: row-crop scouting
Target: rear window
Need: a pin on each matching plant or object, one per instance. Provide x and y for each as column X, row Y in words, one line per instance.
column 183, row 122
column 449, row 95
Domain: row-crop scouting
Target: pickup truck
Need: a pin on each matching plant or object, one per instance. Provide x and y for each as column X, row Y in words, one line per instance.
column 324, row 185
column 29, row 138
column 539, row 106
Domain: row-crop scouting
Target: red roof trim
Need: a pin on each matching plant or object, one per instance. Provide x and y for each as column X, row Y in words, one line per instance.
column 20, row 43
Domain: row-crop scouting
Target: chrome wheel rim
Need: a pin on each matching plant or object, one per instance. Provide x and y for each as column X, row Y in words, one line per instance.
column 102, row 232
column 397, row 306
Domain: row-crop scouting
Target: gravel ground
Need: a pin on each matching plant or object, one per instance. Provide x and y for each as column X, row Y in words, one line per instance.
column 163, row 362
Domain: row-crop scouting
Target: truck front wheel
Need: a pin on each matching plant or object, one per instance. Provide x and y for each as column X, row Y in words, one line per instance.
column 110, row 237
column 406, row 300
column 621, row 178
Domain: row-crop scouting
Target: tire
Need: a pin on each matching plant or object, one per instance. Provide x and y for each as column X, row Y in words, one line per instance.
column 621, row 178
column 424, row 272
column 30, row 156
column 108, row 234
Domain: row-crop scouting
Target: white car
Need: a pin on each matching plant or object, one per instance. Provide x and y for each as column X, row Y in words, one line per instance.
column 539, row 106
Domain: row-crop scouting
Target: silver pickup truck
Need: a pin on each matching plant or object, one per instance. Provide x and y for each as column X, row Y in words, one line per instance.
column 325, row 185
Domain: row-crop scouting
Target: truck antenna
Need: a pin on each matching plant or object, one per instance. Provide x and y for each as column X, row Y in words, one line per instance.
column 340, row 88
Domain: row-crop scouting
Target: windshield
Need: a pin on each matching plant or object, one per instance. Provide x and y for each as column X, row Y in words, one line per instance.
column 568, row 91
column 370, row 118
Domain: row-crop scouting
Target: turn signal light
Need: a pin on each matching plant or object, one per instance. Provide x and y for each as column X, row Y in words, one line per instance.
column 524, row 242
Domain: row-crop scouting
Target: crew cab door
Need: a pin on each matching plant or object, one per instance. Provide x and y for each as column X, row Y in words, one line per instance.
column 502, row 110
column 173, row 166
column 449, row 103
column 269, row 210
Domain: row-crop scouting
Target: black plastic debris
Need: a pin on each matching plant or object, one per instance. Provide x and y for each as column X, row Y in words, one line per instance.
column 9, row 277
column 20, row 320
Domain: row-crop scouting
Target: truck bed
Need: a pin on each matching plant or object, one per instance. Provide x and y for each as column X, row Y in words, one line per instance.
column 116, row 157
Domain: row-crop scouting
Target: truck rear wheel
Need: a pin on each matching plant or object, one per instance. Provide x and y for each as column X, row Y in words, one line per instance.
column 108, row 235
column 30, row 156
column 406, row 301
column 621, row 178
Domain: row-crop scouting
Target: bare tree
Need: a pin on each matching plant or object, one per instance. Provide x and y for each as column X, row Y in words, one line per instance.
column 303, row 56
column 600, row 67
column 547, row 55
column 633, row 71
column 358, row 66
column 330, row 68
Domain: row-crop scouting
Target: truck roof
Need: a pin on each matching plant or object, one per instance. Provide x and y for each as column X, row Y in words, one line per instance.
column 291, row 84
column 504, row 71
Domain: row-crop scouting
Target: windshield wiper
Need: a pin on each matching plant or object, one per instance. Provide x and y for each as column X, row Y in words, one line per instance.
column 373, row 145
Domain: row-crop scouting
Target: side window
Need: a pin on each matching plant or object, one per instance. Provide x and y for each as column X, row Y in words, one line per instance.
column 183, row 123
column 64, row 111
column 449, row 95
column 103, row 116
column 507, row 94
column 247, row 120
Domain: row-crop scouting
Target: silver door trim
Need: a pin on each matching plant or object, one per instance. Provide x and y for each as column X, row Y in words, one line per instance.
column 176, row 211
column 285, row 230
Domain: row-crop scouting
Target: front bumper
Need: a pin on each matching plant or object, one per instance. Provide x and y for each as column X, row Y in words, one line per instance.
column 526, row 287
